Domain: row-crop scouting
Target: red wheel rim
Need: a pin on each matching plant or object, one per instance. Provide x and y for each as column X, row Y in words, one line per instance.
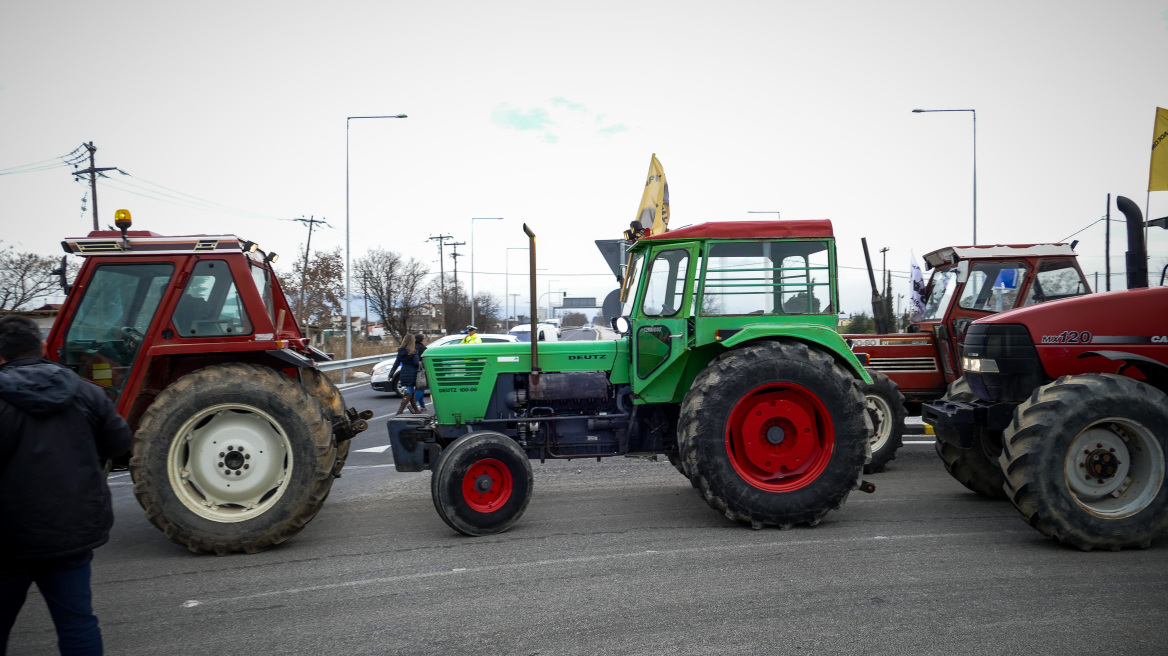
column 487, row 485
column 779, row 437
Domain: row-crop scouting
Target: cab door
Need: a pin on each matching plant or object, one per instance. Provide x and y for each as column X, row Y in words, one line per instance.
column 661, row 322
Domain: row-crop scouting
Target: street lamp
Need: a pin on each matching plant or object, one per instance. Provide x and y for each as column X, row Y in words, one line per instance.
column 974, row 112
column 472, row 266
column 549, row 291
column 507, row 282
column 348, row 295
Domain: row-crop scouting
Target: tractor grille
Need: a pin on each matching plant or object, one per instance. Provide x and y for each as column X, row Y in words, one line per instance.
column 458, row 371
column 903, row 364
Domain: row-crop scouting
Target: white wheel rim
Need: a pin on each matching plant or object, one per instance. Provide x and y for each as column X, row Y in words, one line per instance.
column 881, row 416
column 229, row 462
column 1114, row 468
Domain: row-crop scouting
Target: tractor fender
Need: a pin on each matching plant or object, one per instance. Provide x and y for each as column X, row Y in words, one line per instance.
column 1155, row 371
column 814, row 335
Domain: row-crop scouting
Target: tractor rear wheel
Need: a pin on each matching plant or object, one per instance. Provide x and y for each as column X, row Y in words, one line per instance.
column 482, row 483
column 976, row 468
column 885, row 406
column 774, row 433
column 1085, row 461
column 325, row 391
column 233, row 457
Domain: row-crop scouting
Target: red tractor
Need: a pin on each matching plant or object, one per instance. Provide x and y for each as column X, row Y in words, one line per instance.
column 968, row 283
column 238, row 436
column 1063, row 409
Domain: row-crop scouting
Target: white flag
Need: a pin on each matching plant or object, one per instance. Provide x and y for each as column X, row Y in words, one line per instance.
column 918, row 288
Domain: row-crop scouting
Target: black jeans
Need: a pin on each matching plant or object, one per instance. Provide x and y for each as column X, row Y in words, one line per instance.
column 64, row 583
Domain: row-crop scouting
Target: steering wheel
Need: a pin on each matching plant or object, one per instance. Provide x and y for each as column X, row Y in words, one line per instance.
column 131, row 339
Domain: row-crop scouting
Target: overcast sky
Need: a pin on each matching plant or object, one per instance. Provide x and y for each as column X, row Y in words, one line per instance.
column 547, row 113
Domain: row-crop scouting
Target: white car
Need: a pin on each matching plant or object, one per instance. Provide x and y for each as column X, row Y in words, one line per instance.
column 381, row 382
column 547, row 332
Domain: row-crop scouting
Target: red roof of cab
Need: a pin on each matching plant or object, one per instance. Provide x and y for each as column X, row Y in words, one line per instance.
column 751, row 230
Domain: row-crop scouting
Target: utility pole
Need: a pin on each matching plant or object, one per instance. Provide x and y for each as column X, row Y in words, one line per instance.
column 365, row 297
column 454, row 258
column 1106, row 250
column 304, row 270
column 441, row 239
column 92, row 171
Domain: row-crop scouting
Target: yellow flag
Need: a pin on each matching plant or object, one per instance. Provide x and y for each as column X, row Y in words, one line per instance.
column 1158, row 174
column 654, row 211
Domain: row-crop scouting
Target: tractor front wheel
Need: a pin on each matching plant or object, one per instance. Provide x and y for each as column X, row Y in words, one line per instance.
column 774, row 433
column 1085, row 461
column 481, row 483
column 975, row 468
column 885, row 406
column 234, row 457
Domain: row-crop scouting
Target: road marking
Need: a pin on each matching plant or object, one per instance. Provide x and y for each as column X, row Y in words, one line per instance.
column 373, row 449
column 560, row 562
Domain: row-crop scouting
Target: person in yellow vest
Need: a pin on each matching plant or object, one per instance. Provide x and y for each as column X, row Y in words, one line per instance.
column 472, row 336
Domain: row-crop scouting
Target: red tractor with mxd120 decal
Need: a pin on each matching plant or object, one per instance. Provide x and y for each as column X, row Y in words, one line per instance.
column 1064, row 410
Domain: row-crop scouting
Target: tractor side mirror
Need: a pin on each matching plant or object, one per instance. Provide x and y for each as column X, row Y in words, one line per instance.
column 962, row 271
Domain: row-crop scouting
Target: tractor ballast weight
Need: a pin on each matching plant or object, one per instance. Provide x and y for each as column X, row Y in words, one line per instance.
column 728, row 363
column 237, row 436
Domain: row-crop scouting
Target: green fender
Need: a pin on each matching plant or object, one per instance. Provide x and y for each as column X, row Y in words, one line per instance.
column 813, row 334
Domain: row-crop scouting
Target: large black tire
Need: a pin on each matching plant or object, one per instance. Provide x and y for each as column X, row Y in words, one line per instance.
column 325, row 391
column 241, row 425
column 885, row 406
column 482, row 483
column 976, row 468
column 1085, row 461
column 774, row 433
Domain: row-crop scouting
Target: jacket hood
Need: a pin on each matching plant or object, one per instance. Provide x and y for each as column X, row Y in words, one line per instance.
column 38, row 387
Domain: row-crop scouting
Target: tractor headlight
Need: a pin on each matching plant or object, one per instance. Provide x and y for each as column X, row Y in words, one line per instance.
column 979, row 365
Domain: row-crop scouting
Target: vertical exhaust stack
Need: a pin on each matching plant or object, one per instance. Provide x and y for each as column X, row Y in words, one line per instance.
column 534, row 309
column 1137, row 253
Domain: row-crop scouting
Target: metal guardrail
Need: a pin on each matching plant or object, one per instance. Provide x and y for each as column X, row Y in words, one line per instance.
column 337, row 365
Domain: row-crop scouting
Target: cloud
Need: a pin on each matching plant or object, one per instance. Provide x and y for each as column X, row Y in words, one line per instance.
column 512, row 118
column 560, row 118
column 568, row 104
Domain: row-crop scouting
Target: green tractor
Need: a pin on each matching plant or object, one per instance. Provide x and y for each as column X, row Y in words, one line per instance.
column 728, row 363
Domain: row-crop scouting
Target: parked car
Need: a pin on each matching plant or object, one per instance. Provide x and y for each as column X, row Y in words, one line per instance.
column 381, row 381
column 547, row 332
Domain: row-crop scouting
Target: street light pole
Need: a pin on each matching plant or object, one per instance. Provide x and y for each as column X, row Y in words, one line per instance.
column 348, row 295
column 974, row 112
column 549, row 291
column 507, row 284
column 472, row 265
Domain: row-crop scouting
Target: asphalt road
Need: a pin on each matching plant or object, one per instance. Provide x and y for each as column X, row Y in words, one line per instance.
column 623, row 557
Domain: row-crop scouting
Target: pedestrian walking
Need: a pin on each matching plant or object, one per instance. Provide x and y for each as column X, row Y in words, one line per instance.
column 419, row 386
column 55, row 430
column 408, row 360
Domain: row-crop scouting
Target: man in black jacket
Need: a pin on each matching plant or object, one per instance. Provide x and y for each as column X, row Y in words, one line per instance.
column 54, row 502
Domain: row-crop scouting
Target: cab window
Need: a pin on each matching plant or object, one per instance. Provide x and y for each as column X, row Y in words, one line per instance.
column 210, row 305
column 1056, row 279
column 767, row 277
column 665, row 289
column 992, row 286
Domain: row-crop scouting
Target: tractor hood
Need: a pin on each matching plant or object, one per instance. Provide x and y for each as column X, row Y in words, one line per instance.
column 1107, row 320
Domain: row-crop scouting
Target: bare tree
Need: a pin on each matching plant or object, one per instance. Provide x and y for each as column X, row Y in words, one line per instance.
column 25, row 277
column 488, row 311
column 395, row 287
column 323, row 281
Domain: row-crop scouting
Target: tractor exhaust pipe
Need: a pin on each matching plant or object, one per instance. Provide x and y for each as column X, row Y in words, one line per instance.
column 1137, row 252
column 534, row 309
